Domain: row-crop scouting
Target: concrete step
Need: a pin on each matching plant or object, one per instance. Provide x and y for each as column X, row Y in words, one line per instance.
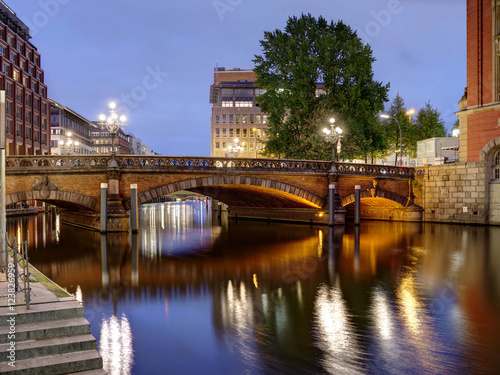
column 92, row 372
column 68, row 363
column 46, row 330
column 49, row 347
column 43, row 312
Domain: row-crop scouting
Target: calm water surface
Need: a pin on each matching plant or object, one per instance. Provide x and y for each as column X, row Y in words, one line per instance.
column 188, row 296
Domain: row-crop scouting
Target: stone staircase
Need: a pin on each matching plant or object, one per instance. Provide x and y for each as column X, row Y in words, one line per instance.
column 50, row 338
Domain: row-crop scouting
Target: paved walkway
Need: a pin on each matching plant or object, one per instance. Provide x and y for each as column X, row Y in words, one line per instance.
column 39, row 292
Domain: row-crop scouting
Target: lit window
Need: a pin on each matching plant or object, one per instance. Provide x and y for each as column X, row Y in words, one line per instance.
column 252, row 134
column 217, row 132
column 227, row 104
column 264, row 119
column 238, row 133
column 16, row 75
column 217, row 146
column 245, row 119
column 245, row 133
column 251, row 146
column 231, row 133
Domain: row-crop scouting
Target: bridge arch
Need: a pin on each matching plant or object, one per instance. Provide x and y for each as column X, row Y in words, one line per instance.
column 59, row 198
column 239, row 191
column 396, row 199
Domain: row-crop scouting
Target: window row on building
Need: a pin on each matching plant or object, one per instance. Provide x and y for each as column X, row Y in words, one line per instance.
column 239, row 133
column 241, row 119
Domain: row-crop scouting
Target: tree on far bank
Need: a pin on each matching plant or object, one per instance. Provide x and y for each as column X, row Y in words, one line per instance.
column 314, row 70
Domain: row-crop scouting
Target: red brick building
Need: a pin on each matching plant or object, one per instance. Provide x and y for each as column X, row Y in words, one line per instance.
column 22, row 78
column 480, row 106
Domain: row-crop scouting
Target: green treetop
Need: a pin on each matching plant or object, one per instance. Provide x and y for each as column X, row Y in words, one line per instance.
column 312, row 71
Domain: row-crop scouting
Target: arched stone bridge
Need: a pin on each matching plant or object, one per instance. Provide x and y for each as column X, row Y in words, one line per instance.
column 287, row 189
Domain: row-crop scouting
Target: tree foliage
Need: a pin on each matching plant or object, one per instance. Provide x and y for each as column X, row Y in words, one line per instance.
column 314, row 70
column 426, row 124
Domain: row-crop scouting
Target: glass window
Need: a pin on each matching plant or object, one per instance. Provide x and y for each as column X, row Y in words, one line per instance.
column 224, row 145
column 231, row 119
column 227, row 104
column 217, row 119
column 238, row 119
column 251, row 146
column 238, row 133
column 217, row 146
column 252, row 133
column 257, row 133
column 224, row 119
column 224, row 132
column 258, row 119
column 245, row 133
column 251, row 119
column 217, row 132
column 16, row 75
column 231, row 133
column 244, row 119
column 264, row 119
column 245, row 146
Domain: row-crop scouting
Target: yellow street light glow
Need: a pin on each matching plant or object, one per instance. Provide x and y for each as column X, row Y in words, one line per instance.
column 112, row 105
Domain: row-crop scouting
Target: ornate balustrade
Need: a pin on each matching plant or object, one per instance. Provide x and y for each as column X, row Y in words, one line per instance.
column 83, row 163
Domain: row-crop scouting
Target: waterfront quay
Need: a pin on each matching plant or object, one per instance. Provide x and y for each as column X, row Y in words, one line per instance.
column 42, row 327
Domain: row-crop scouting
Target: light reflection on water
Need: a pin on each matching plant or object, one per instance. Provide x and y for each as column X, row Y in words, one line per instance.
column 195, row 296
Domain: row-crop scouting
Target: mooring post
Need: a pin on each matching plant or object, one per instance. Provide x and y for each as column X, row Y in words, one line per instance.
column 104, row 207
column 134, row 207
column 331, row 203
column 357, row 204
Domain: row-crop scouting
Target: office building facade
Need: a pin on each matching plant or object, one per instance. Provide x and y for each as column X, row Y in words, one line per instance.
column 65, row 125
column 22, row 78
column 237, row 125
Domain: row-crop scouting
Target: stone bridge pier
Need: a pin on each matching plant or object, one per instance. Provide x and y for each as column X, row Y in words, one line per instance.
column 269, row 189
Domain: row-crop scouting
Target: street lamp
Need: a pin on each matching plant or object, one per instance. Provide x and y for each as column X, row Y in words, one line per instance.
column 386, row 116
column 69, row 145
column 333, row 136
column 235, row 148
column 112, row 124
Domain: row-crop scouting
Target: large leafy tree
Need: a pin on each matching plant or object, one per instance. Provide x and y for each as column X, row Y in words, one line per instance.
column 428, row 124
column 314, row 70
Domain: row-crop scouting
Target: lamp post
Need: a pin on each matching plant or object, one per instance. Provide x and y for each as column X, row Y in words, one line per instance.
column 112, row 124
column 386, row 116
column 333, row 136
column 69, row 145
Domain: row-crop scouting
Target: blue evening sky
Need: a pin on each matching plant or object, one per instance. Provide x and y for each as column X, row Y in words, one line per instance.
column 157, row 57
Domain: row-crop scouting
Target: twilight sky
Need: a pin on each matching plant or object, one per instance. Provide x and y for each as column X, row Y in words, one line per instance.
column 156, row 58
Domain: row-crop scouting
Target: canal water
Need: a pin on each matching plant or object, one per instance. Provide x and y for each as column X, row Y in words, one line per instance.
column 191, row 294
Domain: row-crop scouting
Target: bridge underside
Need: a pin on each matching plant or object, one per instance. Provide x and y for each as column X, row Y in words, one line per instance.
column 253, row 196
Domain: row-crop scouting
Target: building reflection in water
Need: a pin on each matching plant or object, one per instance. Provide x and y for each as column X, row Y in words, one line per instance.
column 384, row 298
column 115, row 345
column 335, row 335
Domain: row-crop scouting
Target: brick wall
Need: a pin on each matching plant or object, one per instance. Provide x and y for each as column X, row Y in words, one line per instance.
column 453, row 193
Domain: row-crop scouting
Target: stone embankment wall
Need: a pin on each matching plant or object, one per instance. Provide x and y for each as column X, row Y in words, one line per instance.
column 453, row 193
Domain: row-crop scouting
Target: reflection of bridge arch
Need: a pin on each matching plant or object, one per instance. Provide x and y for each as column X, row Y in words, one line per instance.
column 240, row 191
column 63, row 199
column 396, row 200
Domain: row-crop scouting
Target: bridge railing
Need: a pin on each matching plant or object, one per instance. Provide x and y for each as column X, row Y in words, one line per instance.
column 187, row 163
